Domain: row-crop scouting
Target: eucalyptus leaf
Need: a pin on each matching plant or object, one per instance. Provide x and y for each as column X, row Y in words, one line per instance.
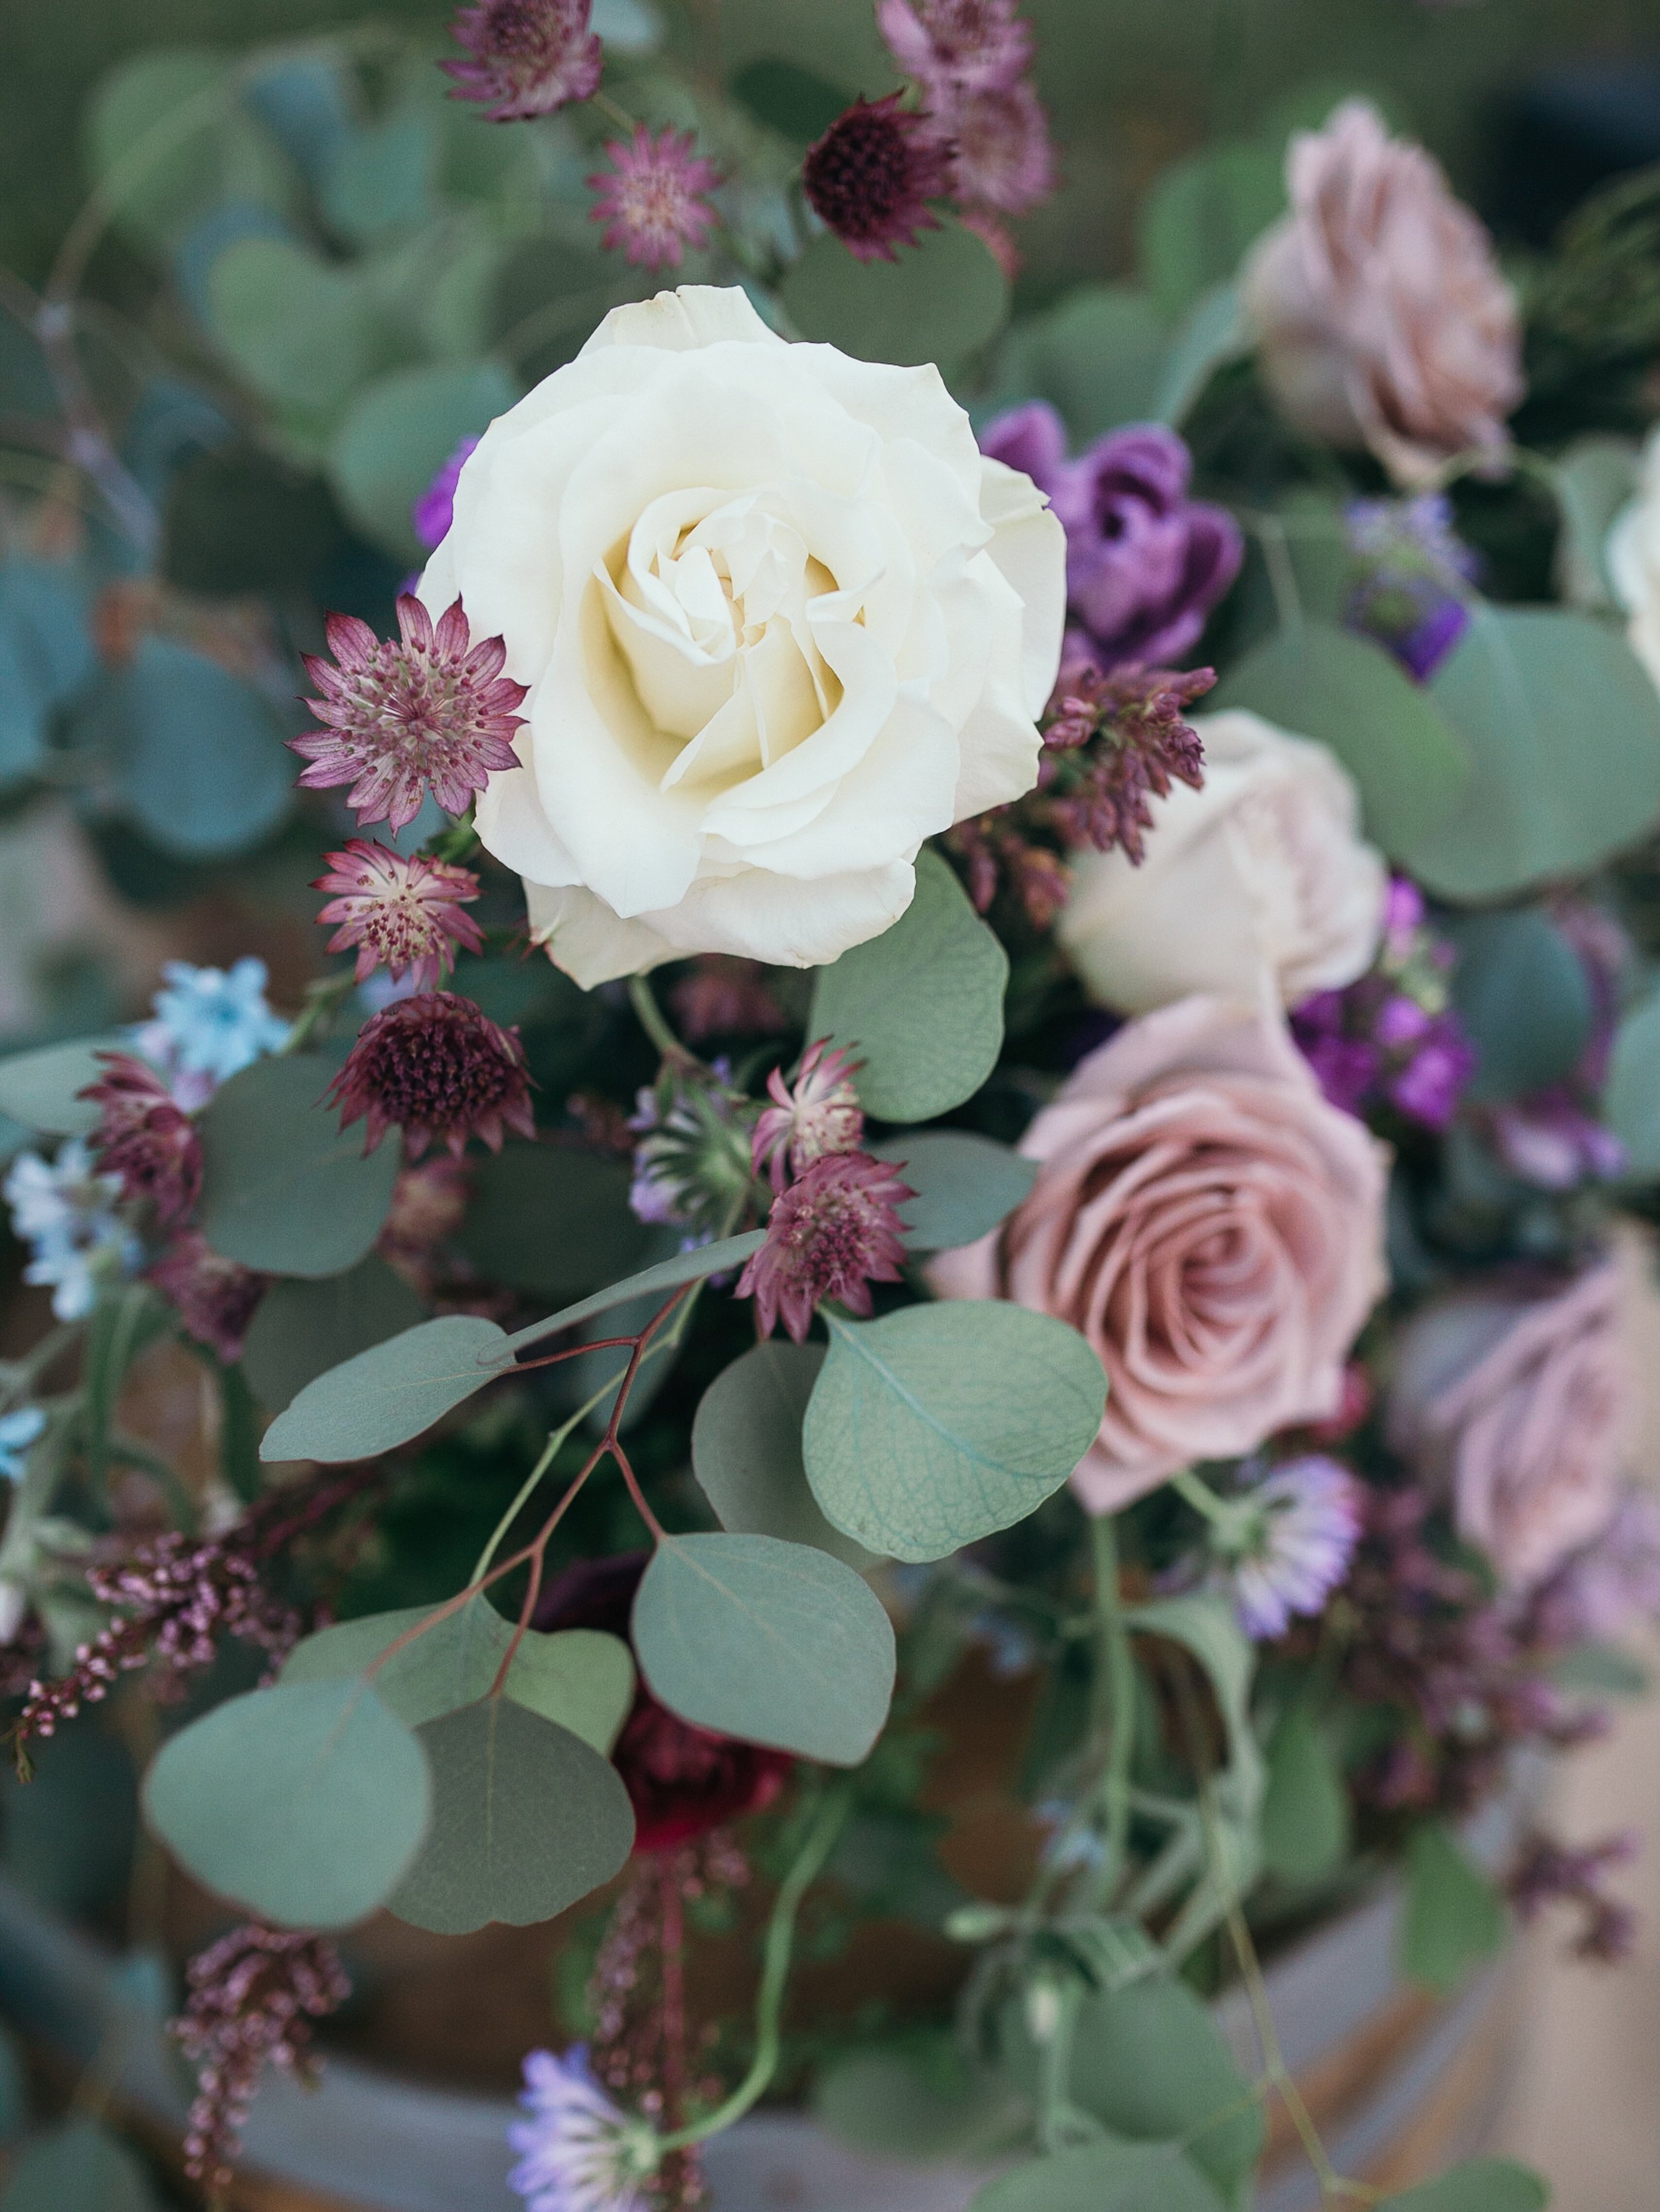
column 168, row 141
column 284, row 1188
column 797, row 103
column 381, row 1398
column 922, row 1003
column 1455, row 1917
column 1522, row 993
column 45, row 654
column 1213, row 331
column 1205, row 1624
column 526, row 1819
column 1103, row 2177
column 693, row 1267
column 78, row 2166
column 1320, row 681
column 917, row 2102
column 1202, row 214
column 303, row 334
column 1305, row 1807
column 1098, row 356
column 1633, row 1099
column 399, row 433
column 1479, row 2185
column 964, row 1184
column 303, row 1328
column 39, row 1088
column 552, row 1221
column 1150, row 2063
column 939, row 1424
column 774, row 1643
column 304, row 1803
column 941, row 301
column 383, row 177
column 746, row 1449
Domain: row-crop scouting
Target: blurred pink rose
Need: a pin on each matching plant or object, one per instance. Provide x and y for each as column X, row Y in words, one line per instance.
column 1520, row 1404
column 1211, row 1226
column 1383, row 317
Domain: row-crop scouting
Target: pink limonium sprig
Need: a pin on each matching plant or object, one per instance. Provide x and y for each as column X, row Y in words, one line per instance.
column 402, row 911
column 651, row 199
column 525, row 56
column 430, row 708
column 831, row 1234
column 819, row 1112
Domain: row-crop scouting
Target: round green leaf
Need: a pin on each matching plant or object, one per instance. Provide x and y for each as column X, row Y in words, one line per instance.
column 302, row 334
column 746, row 1449
column 939, row 1424
column 775, row 1642
column 169, row 143
column 1103, row 2177
column 1455, row 1917
column 386, row 1395
column 918, row 2101
column 964, row 1184
column 941, row 301
column 923, row 1003
column 1633, row 1091
column 1525, row 999
column 303, row 1328
column 1479, row 2185
column 305, row 1803
column 399, row 433
column 1201, row 216
column 1096, row 356
column 45, row 654
column 552, row 1221
column 284, row 1188
column 1306, row 1808
column 76, row 2165
column 1593, row 480
column 726, row 1252
column 526, row 1819
column 38, row 1088
column 797, row 103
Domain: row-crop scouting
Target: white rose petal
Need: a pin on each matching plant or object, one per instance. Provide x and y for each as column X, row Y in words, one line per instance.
column 1634, row 558
column 1261, row 876
column 780, row 623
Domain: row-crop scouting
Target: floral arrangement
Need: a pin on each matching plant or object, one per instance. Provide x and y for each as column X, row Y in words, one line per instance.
column 989, row 1000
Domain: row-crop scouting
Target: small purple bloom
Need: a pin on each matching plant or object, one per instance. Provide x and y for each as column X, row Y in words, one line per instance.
column 578, row 2151
column 1304, row 1532
column 435, row 510
column 1549, row 1140
column 1032, row 439
column 1428, row 1089
column 1413, row 572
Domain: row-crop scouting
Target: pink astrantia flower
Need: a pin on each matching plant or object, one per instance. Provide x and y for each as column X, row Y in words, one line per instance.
column 215, row 1299
column 431, row 709
column 529, row 56
column 872, row 174
column 403, row 912
column 818, row 1114
column 833, row 1233
column 435, row 1067
column 1001, row 159
column 972, row 44
column 144, row 1137
column 651, row 199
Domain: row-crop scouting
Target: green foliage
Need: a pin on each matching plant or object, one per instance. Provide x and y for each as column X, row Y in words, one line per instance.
column 67, row 1837
column 303, row 1328
column 797, row 103
column 1320, row 681
column 1454, row 1916
column 1306, row 1808
column 1565, row 726
column 1098, row 356
column 1104, row 2176
column 941, row 301
column 14, row 2089
column 1201, row 217
column 1594, row 480
column 1633, row 1090
column 38, row 1088
column 396, row 435
column 382, row 1397
column 746, row 1449
column 552, row 1220
column 938, row 1425
column 169, row 143
column 666, row 1275
column 78, row 2166
column 303, row 334
column 916, row 2101
column 1525, row 999
column 775, row 1642
column 1213, row 333
column 284, row 1188
column 964, row 1184
column 923, row 1003
column 526, row 1819
column 46, row 655
column 1481, row 2185
column 383, row 178
column 306, row 1803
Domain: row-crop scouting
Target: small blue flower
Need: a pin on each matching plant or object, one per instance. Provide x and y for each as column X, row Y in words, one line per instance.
column 211, row 1022
column 18, row 1431
column 66, row 1211
column 578, row 2151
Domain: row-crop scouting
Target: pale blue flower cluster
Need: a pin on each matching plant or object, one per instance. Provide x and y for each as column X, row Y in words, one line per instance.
column 66, row 1211
column 209, row 1023
column 18, row 1430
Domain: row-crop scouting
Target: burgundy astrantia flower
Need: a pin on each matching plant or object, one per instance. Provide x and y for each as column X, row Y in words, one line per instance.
column 682, row 1781
column 831, row 1234
column 431, row 707
column 402, row 911
column 144, row 1137
column 973, row 44
column 215, row 1297
column 818, row 1113
column 529, row 56
column 436, row 1067
column 651, row 199
column 721, row 995
column 872, row 174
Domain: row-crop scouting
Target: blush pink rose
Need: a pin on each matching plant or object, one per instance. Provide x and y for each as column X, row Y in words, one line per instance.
column 1521, row 1405
column 1383, row 317
column 1211, row 1226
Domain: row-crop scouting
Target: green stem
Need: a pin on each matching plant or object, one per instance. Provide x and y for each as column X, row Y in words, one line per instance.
column 19, row 1377
column 774, row 1973
column 1203, row 1499
column 650, row 1015
column 323, row 1002
column 1115, row 1693
column 550, row 1450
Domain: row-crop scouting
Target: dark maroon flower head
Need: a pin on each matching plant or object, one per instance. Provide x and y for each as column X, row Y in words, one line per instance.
column 144, row 1137
column 528, row 57
column 434, row 1067
column 215, row 1299
column 831, row 1234
column 682, row 1781
column 430, row 708
column 872, row 174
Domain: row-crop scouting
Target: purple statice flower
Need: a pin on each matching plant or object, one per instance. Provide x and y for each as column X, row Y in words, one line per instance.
column 525, row 56
column 818, row 1113
column 691, row 1164
column 651, row 199
column 1412, row 573
column 433, row 512
column 1295, row 1541
column 831, row 1234
column 578, row 2151
column 1608, row 1587
column 436, row 1067
column 1549, row 1873
column 870, row 177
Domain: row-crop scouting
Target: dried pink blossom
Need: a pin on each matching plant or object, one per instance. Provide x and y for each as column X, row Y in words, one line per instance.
column 253, row 1996
column 402, row 911
column 831, row 1234
column 436, row 1067
column 144, row 1137
column 818, row 1114
column 1001, row 157
column 432, row 708
column 1549, row 1873
column 428, row 1205
column 529, row 56
column 973, row 45
column 215, row 1297
column 721, row 995
column 651, row 199
column 872, row 175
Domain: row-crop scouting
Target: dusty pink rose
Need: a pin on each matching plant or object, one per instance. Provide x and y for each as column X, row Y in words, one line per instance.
column 1521, row 1405
column 1383, row 317
column 1210, row 1225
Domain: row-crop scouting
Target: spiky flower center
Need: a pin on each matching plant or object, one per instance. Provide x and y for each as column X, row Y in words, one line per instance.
column 860, row 175
column 444, row 1070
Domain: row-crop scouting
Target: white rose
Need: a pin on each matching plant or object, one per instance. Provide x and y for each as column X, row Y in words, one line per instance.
column 1634, row 561
column 1262, row 873
column 780, row 622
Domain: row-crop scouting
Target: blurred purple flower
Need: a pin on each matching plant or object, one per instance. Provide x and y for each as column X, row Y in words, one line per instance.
column 435, row 510
column 1414, row 571
column 1304, row 1529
